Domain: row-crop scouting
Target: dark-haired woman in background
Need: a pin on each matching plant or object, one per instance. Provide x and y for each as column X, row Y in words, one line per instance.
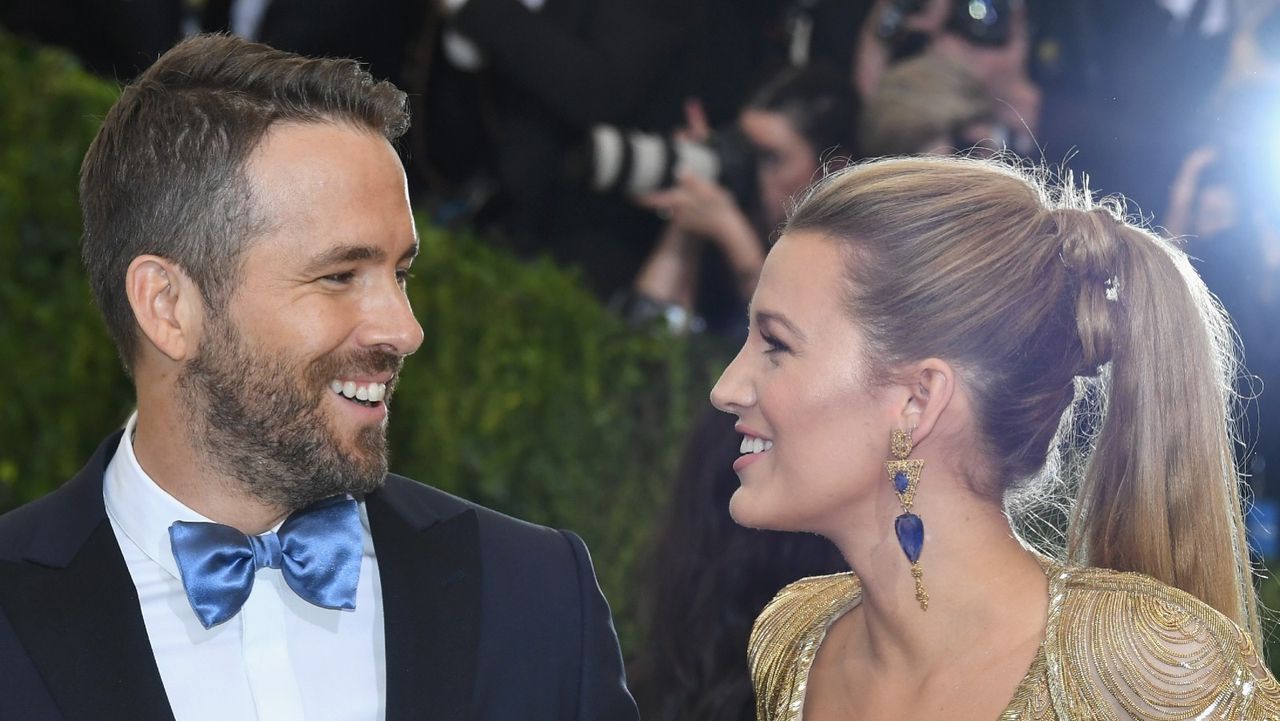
column 709, row 578
column 710, row 252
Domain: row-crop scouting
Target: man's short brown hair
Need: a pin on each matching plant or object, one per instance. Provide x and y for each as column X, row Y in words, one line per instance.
column 165, row 174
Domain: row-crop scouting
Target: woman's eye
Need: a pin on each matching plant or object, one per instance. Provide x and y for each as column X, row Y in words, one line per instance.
column 774, row 345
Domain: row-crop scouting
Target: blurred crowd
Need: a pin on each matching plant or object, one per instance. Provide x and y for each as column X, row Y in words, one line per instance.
column 655, row 144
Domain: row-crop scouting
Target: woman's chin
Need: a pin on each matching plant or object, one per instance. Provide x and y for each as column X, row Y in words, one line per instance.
column 741, row 510
column 748, row 509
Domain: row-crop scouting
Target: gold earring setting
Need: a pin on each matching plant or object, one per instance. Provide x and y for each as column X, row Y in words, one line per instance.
column 904, row 473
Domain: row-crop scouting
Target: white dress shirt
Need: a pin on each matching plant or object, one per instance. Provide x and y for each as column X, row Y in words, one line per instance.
column 279, row 659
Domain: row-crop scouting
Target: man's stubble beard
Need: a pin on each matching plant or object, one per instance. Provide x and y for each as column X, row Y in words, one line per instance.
column 259, row 420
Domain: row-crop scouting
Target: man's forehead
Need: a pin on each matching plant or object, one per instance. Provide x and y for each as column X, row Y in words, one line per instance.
column 307, row 159
column 321, row 186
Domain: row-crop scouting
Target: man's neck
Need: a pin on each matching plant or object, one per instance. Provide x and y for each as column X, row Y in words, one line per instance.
column 168, row 456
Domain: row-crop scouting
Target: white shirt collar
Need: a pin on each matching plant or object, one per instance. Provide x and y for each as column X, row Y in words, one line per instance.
column 144, row 511
column 140, row 508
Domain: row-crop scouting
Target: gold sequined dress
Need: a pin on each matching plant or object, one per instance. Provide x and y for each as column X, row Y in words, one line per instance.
column 1116, row 646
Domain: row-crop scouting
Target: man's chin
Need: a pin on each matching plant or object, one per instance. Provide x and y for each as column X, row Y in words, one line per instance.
column 367, row 441
column 367, row 484
column 348, row 476
column 366, row 455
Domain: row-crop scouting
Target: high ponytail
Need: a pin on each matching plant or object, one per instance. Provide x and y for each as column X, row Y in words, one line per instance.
column 1160, row 494
column 1046, row 302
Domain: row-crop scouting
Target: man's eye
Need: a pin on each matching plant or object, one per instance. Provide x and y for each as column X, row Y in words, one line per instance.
column 403, row 275
column 344, row 277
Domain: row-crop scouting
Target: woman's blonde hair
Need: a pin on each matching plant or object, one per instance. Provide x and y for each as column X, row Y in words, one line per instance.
column 1042, row 297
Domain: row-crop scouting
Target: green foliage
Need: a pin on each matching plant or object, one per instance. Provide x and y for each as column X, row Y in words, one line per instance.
column 529, row 397
column 65, row 387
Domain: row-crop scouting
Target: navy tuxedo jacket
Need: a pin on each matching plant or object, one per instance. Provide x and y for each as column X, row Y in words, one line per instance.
column 487, row 618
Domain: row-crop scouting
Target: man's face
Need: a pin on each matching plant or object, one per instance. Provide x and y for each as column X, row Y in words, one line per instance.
column 320, row 313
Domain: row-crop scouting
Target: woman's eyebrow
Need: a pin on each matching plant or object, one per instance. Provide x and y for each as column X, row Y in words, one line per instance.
column 781, row 319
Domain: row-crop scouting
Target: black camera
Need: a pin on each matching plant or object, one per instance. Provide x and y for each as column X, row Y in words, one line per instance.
column 982, row 22
column 614, row 160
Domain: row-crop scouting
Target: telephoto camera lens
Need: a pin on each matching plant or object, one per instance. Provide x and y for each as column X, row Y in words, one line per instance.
column 630, row 162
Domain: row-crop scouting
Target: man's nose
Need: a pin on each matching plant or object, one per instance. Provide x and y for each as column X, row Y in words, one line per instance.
column 389, row 322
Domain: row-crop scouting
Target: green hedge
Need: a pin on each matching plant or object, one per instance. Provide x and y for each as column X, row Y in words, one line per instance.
column 527, row 396
column 64, row 384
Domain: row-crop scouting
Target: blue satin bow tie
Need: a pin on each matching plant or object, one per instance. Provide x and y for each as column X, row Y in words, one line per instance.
column 318, row 550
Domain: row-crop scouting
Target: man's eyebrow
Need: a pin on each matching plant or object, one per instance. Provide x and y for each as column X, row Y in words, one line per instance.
column 776, row 317
column 355, row 253
column 345, row 254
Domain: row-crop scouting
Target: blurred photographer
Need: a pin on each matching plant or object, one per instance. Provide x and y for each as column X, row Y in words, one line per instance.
column 512, row 87
column 710, row 252
column 1235, row 165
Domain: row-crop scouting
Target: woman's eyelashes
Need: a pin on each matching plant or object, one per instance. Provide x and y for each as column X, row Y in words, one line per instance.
column 774, row 345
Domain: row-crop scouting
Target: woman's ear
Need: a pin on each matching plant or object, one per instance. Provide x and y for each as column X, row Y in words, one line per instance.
column 930, row 385
column 166, row 305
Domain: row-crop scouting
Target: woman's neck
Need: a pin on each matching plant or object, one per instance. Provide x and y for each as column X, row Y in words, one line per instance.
column 987, row 592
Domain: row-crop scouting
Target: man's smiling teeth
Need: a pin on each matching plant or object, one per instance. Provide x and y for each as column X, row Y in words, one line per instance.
column 371, row 392
column 754, row 445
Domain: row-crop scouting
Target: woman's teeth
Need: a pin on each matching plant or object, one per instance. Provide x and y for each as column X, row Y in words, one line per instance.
column 368, row 392
column 751, row 444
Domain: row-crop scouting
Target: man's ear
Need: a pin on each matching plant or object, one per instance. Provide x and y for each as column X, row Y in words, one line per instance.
column 166, row 305
column 930, row 385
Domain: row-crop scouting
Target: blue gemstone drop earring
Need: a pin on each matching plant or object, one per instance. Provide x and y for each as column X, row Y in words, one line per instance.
column 905, row 475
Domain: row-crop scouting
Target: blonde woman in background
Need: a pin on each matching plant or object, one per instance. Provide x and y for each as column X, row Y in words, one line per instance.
column 928, row 104
column 919, row 337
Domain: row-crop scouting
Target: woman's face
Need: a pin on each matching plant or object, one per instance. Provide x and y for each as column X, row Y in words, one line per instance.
column 798, row 388
column 787, row 162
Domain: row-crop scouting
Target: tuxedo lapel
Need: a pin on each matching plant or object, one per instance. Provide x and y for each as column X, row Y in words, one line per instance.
column 73, row 606
column 430, row 575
